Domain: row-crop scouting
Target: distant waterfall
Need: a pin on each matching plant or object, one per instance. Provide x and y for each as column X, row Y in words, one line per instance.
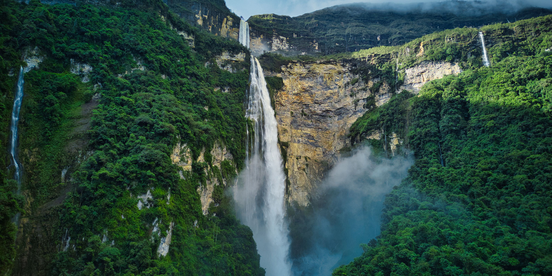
column 14, row 122
column 260, row 193
column 485, row 57
column 244, row 33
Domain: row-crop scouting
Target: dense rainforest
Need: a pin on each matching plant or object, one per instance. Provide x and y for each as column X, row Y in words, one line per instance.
column 476, row 201
column 150, row 89
column 353, row 27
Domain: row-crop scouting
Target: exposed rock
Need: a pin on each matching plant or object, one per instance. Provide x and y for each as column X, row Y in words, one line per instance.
column 33, row 59
column 163, row 249
column 228, row 61
column 424, row 72
column 81, row 69
column 182, row 157
column 219, row 154
column 394, row 143
column 318, row 104
column 376, row 135
column 279, row 43
column 215, row 19
column 227, row 29
column 315, row 110
column 143, row 200
column 139, row 66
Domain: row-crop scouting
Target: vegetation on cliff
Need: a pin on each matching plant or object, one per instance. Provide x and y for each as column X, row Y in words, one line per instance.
column 476, row 200
column 349, row 28
column 152, row 91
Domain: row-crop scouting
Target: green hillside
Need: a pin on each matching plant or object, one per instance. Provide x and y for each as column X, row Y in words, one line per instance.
column 476, row 202
column 139, row 115
column 349, row 28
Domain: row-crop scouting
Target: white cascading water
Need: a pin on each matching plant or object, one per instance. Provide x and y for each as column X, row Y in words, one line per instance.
column 244, row 33
column 260, row 192
column 14, row 122
column 485, row 57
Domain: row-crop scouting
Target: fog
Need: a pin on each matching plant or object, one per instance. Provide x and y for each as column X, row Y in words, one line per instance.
column 247, row 8
column 344, row 213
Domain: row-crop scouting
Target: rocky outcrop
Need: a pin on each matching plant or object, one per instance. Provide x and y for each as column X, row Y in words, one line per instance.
column 182, row 157
column 81, row 69
column 213, row 17
column 229, row 62
column 425, row 72
column 314, row 110
column 318, row 104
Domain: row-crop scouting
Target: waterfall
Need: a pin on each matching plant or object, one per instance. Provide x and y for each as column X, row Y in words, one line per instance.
column 259, row 194
column 485, row 58
column 244, row 33
column 14, row 122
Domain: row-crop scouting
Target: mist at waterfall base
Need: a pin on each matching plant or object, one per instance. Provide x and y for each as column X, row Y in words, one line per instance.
column 259, row 194
column 344, row 213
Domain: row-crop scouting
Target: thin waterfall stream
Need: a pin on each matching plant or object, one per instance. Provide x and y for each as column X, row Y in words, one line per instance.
column 244, row 33
column 14, row 134
column 485, row 57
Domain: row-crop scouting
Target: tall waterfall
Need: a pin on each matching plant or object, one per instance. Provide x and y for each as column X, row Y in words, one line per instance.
column 14, row 122
column 244, row 33
column 485, row 57
column 259, row 194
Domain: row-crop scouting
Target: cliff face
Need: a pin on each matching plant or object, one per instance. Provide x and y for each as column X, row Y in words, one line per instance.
column 318, row 104
column 182, row 157
column 212, row 16
column 417, row 76
column 281, row 34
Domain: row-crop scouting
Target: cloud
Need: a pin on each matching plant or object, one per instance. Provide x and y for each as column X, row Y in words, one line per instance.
column 345, row 212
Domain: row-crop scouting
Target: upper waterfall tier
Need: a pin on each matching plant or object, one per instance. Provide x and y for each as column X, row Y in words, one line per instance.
column 244, row 33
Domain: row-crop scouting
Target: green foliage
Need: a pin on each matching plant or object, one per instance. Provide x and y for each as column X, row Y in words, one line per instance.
column 476, row 199
column 349, row 28
column 141, row 116
column 274, row 84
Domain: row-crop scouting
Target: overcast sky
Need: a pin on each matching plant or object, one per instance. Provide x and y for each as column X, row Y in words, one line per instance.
column 247, row 8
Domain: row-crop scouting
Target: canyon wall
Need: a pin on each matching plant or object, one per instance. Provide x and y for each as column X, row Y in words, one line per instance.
column 318, row 104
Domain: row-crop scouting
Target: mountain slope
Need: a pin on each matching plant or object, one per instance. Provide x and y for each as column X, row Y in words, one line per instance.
column 348, row 28
column 476, row 200
column 121, row 123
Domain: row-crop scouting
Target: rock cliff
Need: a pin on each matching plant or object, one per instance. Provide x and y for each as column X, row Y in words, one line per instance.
column 318, row 104
column 212, row 16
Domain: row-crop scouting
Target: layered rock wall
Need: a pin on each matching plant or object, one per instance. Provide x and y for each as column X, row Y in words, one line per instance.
column 318, row 104
column 425, row 72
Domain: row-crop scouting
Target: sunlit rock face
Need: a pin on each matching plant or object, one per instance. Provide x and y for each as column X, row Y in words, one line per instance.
column 318, row 104
column 315, row 109
column 425, row 72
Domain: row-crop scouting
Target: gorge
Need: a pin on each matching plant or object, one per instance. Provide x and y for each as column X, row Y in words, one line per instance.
column 174, row 137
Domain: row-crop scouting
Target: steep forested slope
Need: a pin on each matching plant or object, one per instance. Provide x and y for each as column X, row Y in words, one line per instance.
column 150, row 88
column 349, row 28
column 477, row 200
